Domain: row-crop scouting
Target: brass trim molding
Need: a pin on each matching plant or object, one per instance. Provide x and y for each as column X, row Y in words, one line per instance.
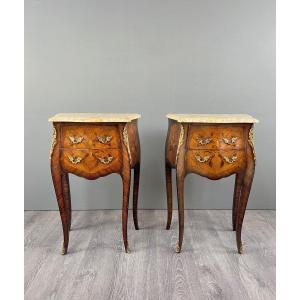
column 251, row 140
column 53, row 142
column 177, row 248
column 241, row 249
column 180, row 141
column 126, row 141
column 63, row 250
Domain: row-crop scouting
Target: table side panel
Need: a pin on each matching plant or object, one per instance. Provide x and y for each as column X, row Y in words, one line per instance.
column 134, row 142
column 172, row 140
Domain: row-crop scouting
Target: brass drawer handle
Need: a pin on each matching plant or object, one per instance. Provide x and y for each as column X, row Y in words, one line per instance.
column 204, row 159
column 74, row 159
column 106, row 160
column 230, row 160
column 230, row 141
column 76, row 139
column 104, row 139
column 204, row 141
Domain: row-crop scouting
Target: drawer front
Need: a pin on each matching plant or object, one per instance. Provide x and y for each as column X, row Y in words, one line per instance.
column 91, row 164
column 215, row 164
column 215, row 137
column 203, row 137
column 90, row 137
column 231, row 138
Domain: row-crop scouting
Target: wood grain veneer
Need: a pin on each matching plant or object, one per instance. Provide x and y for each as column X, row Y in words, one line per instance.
column 213, row 150
column 91, row 150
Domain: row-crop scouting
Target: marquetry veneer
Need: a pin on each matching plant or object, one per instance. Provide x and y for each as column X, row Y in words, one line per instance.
column 93, row 146
column 213, row 146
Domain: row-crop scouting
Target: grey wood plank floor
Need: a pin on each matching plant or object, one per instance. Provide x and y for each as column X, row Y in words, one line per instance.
column 96, row 266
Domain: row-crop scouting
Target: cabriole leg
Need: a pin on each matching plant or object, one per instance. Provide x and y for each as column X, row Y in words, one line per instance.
column 168, row 171
column 135, row 194
column 242, row 204
column 126, row 191
column 57, row 175
column 236, row 197
column 180, row 199
column 67, row 197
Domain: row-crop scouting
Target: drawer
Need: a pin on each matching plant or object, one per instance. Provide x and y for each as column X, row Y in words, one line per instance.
column 90, row 137
column 215, row 137
column 215, row 164
column 91, row 163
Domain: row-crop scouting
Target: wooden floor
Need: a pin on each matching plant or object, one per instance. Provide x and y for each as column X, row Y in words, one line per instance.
column 96, row 266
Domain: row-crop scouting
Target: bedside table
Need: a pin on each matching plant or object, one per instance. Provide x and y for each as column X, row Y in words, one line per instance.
column 213, row 146
column 93, row 146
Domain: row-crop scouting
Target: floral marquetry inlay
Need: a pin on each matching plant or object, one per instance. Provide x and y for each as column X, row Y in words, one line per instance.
column 214, row 147
column 92, row 146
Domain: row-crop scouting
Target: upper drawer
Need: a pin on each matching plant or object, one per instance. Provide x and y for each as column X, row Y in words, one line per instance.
column 215, row 137
column 90, row 136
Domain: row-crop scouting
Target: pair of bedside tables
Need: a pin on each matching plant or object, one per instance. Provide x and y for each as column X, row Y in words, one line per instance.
column 95, row 145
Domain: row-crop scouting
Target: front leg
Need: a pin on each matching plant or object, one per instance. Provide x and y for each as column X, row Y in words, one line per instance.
column 180, row 198
column 57, row 177
column 242, row 203
column 126, row 191
column 236, row 197
column 126, row 176
column 180, row 175
column 67, row 197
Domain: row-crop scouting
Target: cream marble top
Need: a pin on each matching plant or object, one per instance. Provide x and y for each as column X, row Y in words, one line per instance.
column 207, row 118
column 94, row 117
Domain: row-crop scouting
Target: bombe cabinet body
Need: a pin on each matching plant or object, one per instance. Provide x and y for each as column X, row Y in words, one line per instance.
column 93, row 146
column 213, row 146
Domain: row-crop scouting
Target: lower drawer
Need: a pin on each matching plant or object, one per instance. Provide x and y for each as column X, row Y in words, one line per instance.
column 215, row 164
column 91, row 164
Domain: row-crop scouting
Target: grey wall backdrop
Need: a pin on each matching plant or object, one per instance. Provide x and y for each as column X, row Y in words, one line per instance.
column 149, row 57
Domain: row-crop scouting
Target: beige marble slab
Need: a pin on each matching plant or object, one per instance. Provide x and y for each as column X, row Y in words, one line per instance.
column 93, row 117
column 215, row 118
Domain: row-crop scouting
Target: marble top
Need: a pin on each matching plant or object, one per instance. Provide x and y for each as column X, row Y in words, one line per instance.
column 207, row 118
column 93, row 117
